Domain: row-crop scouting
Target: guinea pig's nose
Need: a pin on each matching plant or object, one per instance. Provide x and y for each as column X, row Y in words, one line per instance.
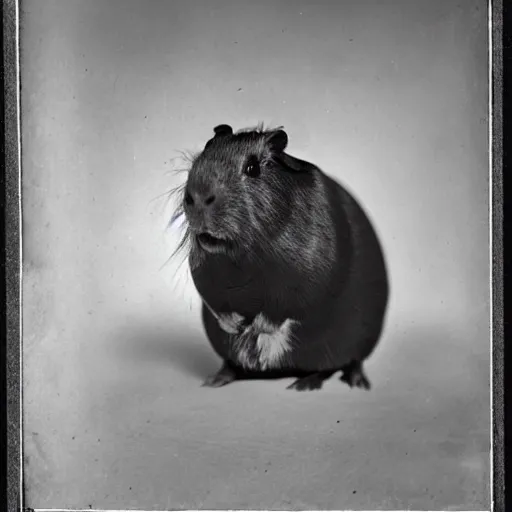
column 209, row 199
column 201, row 199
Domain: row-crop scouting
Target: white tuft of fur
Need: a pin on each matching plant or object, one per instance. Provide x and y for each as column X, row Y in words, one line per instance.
column 243, row 356
column 271, row 341
column 231, row 322
column 273, row 346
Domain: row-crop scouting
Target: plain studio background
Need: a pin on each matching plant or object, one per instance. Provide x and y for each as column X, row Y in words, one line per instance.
column 391, row 98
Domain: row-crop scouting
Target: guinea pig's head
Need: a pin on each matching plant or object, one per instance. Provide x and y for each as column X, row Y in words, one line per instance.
column 239, row 195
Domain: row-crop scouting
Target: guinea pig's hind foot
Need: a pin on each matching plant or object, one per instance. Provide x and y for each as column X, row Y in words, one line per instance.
column 224, row 376
column 354, row 376
column 311, row 381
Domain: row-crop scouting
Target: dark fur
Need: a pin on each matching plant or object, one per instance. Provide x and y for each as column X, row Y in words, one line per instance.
column 297, row 246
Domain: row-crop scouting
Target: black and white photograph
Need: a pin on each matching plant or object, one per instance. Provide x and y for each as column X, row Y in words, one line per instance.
column 256, row 255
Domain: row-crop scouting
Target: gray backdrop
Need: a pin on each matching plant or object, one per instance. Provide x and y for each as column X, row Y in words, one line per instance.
column 390, row 97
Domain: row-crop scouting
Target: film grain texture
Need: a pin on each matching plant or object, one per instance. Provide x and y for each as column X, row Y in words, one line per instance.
column 390, row 98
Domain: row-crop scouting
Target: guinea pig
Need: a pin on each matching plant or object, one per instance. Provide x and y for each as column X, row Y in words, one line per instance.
column 290, row 271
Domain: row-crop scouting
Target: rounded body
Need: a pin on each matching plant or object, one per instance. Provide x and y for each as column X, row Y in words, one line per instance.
column 335, row 311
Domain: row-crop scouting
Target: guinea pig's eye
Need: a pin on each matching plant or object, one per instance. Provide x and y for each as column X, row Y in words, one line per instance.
column 252, row 167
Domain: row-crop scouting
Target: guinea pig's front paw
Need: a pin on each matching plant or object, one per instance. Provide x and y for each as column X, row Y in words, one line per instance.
column 311, row 381
column 224, row 376
column 232, row 323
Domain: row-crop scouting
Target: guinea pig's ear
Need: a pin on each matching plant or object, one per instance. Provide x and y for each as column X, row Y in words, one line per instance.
column 223, row 129
column 220, row 131
column 277, row 141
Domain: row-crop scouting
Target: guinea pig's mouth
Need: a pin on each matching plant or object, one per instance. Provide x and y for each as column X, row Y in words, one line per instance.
column 211, row 243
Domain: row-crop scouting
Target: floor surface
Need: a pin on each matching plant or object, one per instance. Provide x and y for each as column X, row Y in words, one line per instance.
column 132, row 428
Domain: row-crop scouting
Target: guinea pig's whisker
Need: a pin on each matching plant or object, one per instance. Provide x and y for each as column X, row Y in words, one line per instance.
column 177, row 216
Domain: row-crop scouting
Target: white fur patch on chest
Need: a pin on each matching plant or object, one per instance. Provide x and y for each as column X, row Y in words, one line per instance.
column 262, row 345
column 274, row 345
